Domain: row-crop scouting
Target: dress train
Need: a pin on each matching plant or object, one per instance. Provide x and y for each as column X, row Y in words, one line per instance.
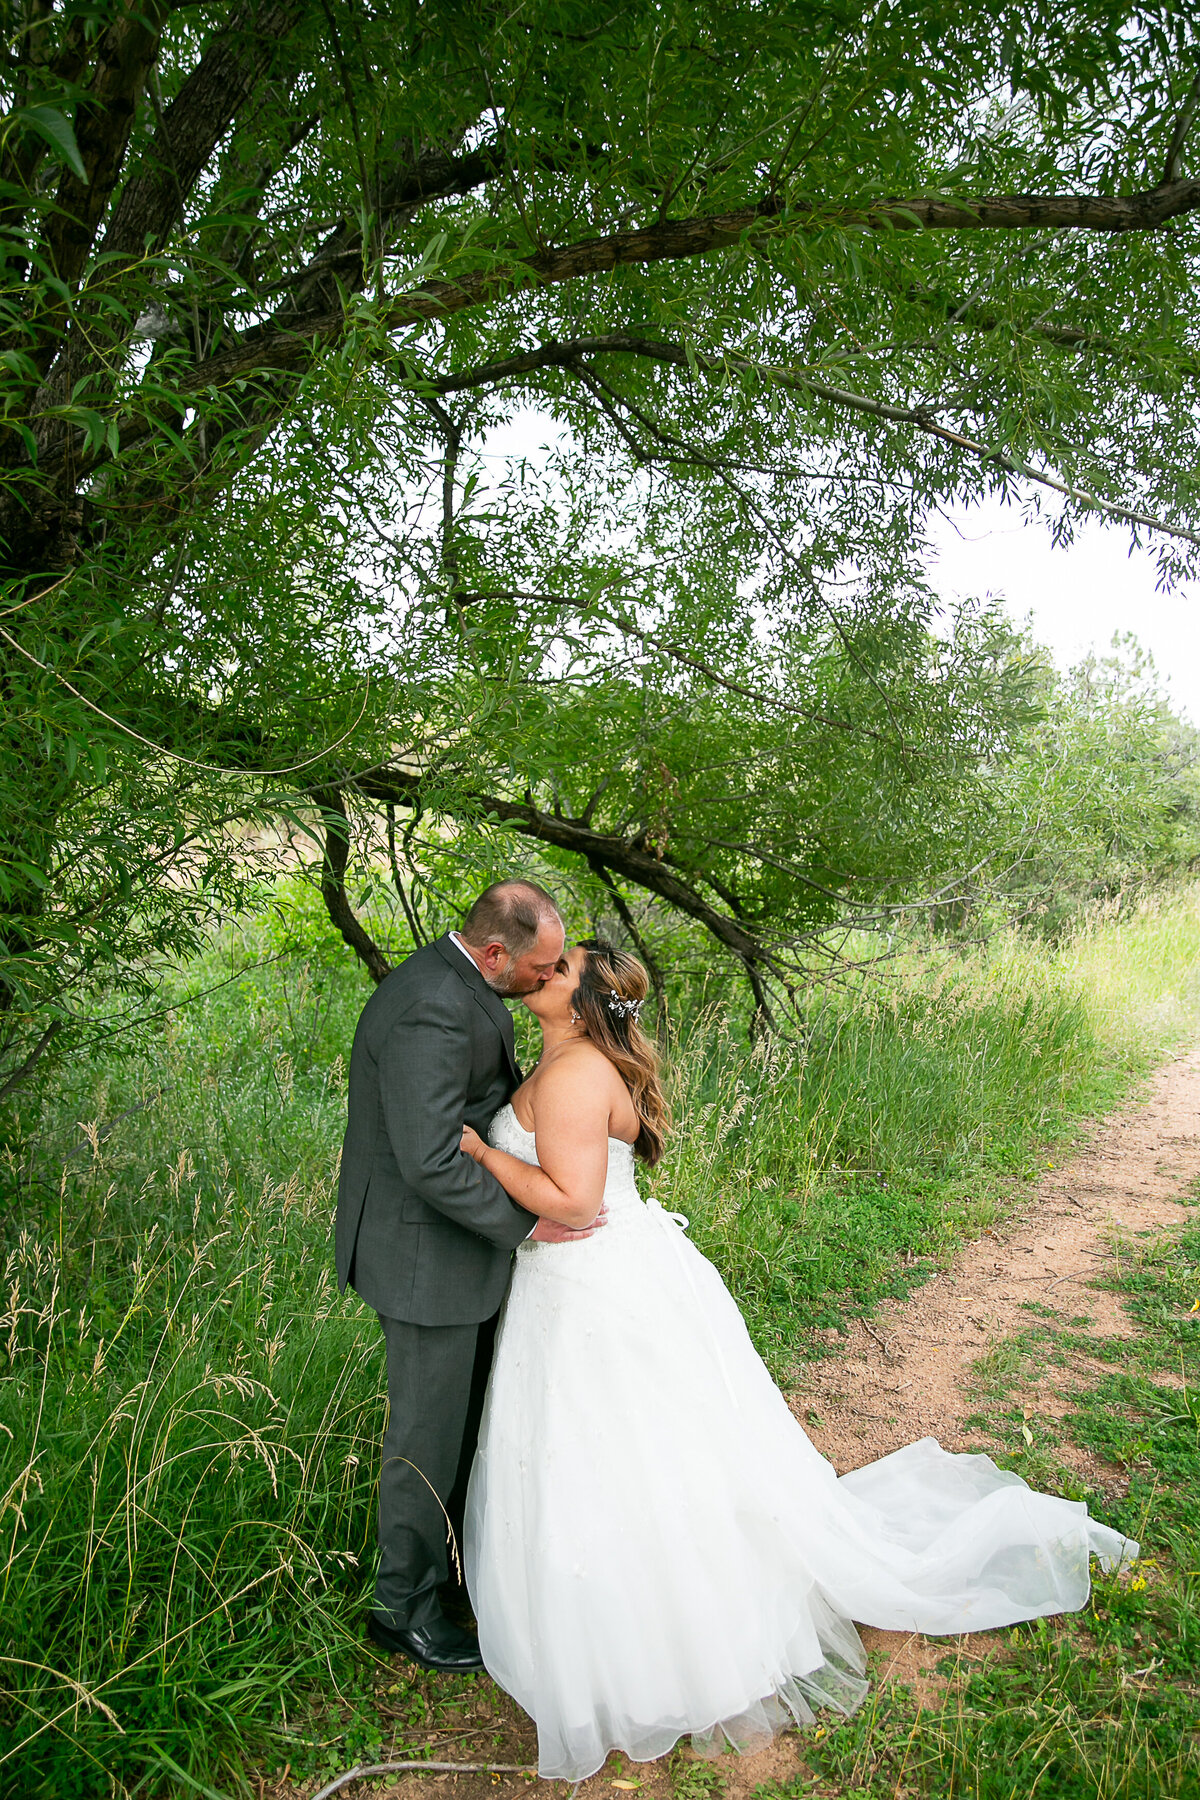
column 654, row 1547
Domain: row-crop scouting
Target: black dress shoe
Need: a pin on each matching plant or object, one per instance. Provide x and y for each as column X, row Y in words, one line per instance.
column 455, row 1603
column 435, row 1645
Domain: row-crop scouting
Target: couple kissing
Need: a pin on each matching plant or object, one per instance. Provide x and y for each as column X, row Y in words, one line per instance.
column 590, row 1484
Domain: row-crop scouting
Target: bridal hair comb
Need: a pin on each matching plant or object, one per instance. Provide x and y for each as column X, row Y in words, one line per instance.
column 626, row 1009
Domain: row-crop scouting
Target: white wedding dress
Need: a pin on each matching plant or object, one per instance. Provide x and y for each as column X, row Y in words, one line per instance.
column 654, row 1547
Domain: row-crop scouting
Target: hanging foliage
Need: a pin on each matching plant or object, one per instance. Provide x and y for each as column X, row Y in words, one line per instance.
column 533, row 417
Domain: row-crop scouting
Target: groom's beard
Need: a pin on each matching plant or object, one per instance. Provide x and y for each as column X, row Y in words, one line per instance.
column 508, row 986
column 501, row 988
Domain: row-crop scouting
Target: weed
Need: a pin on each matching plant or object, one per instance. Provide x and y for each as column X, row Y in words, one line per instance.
column 693, row 1779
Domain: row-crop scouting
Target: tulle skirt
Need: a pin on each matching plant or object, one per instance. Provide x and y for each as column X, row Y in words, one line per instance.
column 655, row 1549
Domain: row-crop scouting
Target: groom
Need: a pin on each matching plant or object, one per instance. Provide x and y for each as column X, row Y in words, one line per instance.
column 426, row 1236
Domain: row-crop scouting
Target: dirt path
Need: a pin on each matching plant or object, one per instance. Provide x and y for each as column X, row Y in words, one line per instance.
column 906, row 1373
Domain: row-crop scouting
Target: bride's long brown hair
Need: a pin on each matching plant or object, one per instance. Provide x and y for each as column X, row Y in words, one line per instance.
column 612, row 987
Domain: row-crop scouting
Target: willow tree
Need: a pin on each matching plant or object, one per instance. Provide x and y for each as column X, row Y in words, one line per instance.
column 769, row 280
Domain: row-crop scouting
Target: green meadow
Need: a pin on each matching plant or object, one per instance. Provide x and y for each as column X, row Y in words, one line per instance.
column 189, row 1412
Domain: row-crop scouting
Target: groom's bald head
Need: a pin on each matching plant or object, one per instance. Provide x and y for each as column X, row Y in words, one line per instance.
column 515, row 934
column 511, row 913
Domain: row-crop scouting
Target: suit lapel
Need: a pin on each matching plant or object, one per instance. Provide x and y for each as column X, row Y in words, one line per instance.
column 483, row 996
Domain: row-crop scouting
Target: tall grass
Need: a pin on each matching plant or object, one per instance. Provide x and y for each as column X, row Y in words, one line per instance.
column 823, row 1177
column 191, row 1463
column 189, row 1415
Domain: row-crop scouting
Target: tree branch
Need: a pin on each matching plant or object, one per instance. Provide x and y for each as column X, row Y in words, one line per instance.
column 235, row 61
column 962, row 315
column 273, row 348
column 419, row 936
column 616, row 854
column 762, row 1006
column 602, row 874
column 412, row 184
column 567, row 355
column 689, row 660
column 25, row 1069
column 452, row 438
column 333, row 884
column 267, row 347
column 24, row 152
column 1183, row 125
column 988, row 453
column 103, row 123
column 554, row 355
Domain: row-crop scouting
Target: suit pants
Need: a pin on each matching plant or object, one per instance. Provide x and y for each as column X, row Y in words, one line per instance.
column 437, row 1380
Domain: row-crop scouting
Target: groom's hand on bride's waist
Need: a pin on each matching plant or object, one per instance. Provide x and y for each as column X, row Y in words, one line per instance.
column 547, row 1232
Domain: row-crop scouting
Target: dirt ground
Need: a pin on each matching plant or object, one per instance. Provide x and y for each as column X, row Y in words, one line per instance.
column 905, row 1374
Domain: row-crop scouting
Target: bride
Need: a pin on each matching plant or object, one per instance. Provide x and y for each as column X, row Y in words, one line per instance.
column 653, row 1546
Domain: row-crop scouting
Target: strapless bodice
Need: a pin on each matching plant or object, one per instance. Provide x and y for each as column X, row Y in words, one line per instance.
column 506, row 1132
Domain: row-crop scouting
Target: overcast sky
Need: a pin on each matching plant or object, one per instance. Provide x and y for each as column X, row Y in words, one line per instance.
column 1077, row 597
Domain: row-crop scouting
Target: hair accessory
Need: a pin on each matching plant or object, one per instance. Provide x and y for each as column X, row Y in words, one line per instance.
column 626, row 1009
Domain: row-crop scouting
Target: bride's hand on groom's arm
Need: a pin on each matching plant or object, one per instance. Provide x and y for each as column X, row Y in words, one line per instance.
column 565, row 1186
column 546, row 1231
column 472, row 1144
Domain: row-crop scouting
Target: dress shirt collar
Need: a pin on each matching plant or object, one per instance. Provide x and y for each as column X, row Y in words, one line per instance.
column 456, row 940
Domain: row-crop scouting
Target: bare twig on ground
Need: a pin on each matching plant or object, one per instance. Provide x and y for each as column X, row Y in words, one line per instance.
column 368, row 1770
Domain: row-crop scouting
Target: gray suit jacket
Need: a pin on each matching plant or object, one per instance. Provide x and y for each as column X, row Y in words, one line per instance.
column 423, row 1233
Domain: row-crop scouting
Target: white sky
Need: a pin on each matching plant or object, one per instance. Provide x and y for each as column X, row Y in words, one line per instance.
column 1075, row 598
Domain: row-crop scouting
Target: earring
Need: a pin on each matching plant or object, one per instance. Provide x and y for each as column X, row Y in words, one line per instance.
column 574, row 1017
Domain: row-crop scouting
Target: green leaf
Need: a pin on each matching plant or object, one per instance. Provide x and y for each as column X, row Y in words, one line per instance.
column 26, row 436
column 19, row 364
column 57, row 131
